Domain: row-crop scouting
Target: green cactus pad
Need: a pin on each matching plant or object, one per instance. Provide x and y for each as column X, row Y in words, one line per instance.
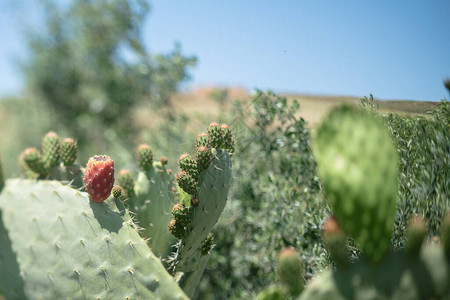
column 145, row 157
column 215, row 135
column 396, row 277
column 358, row 166
column 214, row 185
column 152, row 205
column 50, row 149
column 72, row 175
column 68, row 151
column 70, row 247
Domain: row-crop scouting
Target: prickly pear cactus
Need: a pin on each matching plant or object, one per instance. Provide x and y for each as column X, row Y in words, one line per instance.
column 58, row 244
column 152, row 203
column 358, row 166
column 207, row 183
column 396, row 277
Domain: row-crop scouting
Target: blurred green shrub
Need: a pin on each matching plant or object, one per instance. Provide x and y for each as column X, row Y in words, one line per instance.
column 91, row 67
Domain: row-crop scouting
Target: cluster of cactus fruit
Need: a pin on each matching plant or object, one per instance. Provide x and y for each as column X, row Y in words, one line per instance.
column 112, row 241
column 357, row 165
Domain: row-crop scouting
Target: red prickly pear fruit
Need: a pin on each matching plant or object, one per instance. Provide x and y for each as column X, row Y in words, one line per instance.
column 202, row 140
column 164, row 160
column 145, row 157
column 99, row 177
column 215, row 135
column 68, row 151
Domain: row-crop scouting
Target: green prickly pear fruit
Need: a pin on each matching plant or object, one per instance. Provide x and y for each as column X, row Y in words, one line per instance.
column 358, row 166
column 204, row 157
column 273, row 292
column 164, row 160
column 187, row 183
column 202, row 140
column 290, row 271
column 50, row 149
column 181, row 214
column 189, row 165
column 145, row 157
column 116, row 191
column 68, row 151
column 415, row 235
column 207, row 244
column 126, row 180
column 228, row 142
column 23, row 166
column 215, row 135
column 176, row 229
column 33, row 159
column 445, row 234
column 99, row 177
column 335, row 242
column 195, row 202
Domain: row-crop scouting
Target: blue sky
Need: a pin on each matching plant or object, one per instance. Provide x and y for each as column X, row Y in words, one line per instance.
column 393, row 49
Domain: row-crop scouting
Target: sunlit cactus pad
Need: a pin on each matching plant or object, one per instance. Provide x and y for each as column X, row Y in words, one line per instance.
column 67, row 246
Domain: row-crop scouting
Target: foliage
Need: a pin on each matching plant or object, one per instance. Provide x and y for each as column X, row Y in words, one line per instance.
column 91, row 66
column 274, row 203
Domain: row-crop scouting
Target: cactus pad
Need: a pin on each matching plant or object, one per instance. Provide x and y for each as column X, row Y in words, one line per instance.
column 358, row 165
column 70, row 247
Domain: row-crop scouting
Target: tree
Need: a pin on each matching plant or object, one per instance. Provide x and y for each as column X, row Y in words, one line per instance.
column 91, row 66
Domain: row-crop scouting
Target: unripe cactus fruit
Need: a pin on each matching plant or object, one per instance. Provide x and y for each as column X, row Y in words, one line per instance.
column 358, row 166
column 126, row 180
column 99, row 177
column 204, row 157
column 176, row 229
column 116, row 191
column 68, row 151
column 181, row 214
column 207, row 244
column 145, row 157
column 335, row 242
column 164, row 160
column 202, row 140
column 228, row 142
column 50, row 149
column 189, row 165
column 195, row 202
column 273, row 292
column 187, row 183
column 33, row 159
column 290, row 270
column 215, row 135
column 415, row 235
